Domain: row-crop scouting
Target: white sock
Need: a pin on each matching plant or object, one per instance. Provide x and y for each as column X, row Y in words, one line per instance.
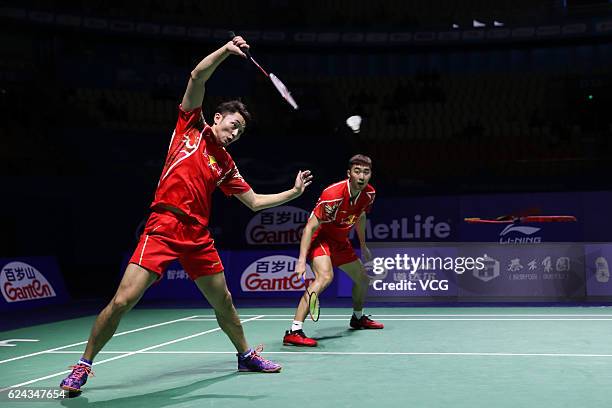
column 358, row 313
column 296, row 325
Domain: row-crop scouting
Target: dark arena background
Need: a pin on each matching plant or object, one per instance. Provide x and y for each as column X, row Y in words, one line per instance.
column 484, row 120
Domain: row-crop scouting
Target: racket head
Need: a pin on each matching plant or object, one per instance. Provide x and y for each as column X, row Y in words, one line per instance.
column 522, row 220
column 486, row 221
column 549, row 218
column 314, row 308
column 282, row 89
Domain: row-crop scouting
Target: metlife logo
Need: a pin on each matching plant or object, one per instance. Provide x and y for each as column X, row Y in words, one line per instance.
column 417, row 227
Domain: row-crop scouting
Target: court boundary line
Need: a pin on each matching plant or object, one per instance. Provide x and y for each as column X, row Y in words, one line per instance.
column 85, row 342
column 286, row 319
column 433, row 315
column 128, row 354
column 366, row 353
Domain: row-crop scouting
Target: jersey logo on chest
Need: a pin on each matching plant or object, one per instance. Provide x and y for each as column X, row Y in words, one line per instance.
column 213, row 164
column 350, row 220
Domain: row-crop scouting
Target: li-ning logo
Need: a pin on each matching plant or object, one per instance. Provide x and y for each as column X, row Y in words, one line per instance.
column 521, row 230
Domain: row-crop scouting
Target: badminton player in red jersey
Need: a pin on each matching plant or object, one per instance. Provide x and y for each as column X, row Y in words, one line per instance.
column 325, row 243
column 197, row 163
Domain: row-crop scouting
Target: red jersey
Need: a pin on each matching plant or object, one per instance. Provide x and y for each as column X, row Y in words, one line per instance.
column 194, row 167
column 337, row 212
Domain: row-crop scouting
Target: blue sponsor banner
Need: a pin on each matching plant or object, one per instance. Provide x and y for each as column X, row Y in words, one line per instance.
column 400, row 273
column 429, row 219
column 31, row 282
column 419, row 271
column 441, row 219
column 478, row 271
column 493, row 206
column 598, row 258
column 264, row 274
column 533, row 271
column 249, row 274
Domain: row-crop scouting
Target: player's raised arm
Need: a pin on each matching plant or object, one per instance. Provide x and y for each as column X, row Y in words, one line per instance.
column 258, row 202
column 194, row 94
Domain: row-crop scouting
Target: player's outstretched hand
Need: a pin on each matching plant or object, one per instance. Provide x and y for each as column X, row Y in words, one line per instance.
column 303, row 180
column 236, row 44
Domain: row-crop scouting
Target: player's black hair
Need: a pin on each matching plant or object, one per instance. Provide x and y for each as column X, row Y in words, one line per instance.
column 234, row 107
column 360, row 159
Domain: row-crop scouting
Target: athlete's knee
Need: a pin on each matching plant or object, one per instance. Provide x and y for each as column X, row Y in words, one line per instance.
column 223, row 301
column 119, row 306
column 122, row 303
column 325, row 278
column 362, row 278
column 227, row 299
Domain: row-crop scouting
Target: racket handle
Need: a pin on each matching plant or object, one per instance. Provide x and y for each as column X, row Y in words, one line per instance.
column 304, row 282
column 245, row 50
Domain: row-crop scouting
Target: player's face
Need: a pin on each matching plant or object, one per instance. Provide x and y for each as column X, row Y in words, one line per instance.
column 359, row 176
column 227, row 129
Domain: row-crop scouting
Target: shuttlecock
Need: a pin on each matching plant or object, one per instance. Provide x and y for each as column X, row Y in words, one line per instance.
column 498, row 23
column 478, row 24
column 354, row 122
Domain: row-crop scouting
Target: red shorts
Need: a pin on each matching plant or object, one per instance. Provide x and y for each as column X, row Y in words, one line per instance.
column 166, row 238
column 340, row 252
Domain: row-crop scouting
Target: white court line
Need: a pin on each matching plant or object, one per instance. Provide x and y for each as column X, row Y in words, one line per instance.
column 436, row 315
column 127, row 354
column 197, row 319
column 447, row 320
column 364, row 353
column 85, row 342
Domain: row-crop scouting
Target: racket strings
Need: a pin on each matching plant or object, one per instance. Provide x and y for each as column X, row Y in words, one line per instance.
column 314, row 306
column 283, row 90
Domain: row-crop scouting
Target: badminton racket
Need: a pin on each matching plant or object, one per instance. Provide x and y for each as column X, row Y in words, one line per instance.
column 278, row 84
column 511, row 219
column 314, row 309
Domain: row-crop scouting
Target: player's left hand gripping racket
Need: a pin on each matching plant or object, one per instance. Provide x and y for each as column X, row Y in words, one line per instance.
column 314, row 308
column 278, row 84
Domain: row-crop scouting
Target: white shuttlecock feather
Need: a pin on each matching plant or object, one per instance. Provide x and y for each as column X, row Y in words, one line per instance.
column 354, row 122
